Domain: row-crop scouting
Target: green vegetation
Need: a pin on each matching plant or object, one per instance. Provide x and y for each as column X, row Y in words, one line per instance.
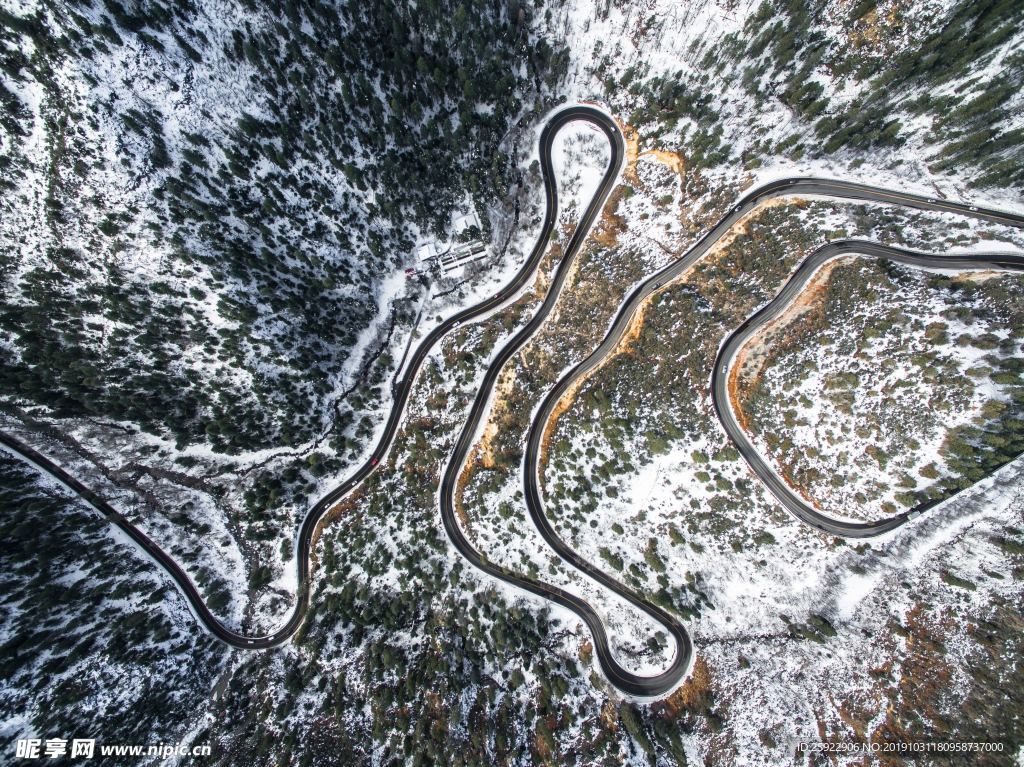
column 442, row 668
column 903, row 72
column 346, row 127
column 954, row 580
column 817, row 628
column 869, row 325
column 267, row 213
column 81, row 616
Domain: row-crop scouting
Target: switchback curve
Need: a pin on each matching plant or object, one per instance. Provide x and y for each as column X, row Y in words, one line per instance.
column 617, row 675
column 624, row 680
column 781, row 188
column 792, row 502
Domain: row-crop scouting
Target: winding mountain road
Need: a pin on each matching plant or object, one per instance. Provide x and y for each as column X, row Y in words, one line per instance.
column 402, row 391
column 617, row 675
column 792, row 501
column 781, row 188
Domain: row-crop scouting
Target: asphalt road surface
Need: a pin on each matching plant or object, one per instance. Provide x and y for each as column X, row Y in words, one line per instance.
column 720, row 375
column 402, row 391
column 617, row 675
column 531, row 480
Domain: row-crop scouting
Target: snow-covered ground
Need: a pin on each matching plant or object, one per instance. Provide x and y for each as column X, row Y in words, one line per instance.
column 580, row 157
column 661, row 38
column 796, row 634
column 866, row 404
column 692, row 518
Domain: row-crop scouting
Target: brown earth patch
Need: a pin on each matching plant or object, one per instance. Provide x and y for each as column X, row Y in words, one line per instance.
column 806, row 312
column 610, row 716
column 855, row 714
column 543, row 278
column 979, row 276
column 673, row 160
column 876, row 29
column 502, row 391
column 755, row 353
column 742, row 226
column 586, row 652
column 632, row 139
column 564, row 403
column 605, row 233
column 925, row 681
column 460, row 486
column 694, row 694
column 636, row 324
column 611, row 224
column 624, row 346
column 345, row 508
